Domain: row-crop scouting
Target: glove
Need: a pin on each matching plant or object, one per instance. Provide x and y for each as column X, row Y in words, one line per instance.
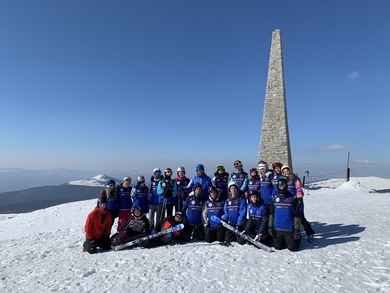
column 272, row 232
column 297, row 235
column 93, row 242
column 153, row 232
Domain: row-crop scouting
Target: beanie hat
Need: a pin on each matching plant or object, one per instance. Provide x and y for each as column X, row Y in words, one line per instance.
column 199, row 167
column 263, row 166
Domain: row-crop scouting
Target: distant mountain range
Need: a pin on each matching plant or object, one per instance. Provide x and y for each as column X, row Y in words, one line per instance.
column 34, row 198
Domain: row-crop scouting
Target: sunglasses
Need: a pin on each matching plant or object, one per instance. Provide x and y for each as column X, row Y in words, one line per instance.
column 111, row 186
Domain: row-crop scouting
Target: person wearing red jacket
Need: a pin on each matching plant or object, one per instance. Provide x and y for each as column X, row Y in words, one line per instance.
column 98, row 227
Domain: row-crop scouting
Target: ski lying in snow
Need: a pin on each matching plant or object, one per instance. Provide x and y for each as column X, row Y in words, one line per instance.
column 243, row 236
column 153, row 235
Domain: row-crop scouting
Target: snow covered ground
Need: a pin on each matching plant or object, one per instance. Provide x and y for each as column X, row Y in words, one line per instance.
column 41, row 252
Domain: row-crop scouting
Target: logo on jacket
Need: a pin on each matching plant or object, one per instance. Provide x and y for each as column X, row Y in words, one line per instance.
column 193, row 202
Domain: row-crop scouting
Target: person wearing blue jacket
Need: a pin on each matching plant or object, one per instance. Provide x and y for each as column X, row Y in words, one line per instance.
column 239, row 177
column 258, row 217
column 277, row 168
column 141, row 195
column 192, row 211
column 202, row 179
column 267, row 187
column 234, row 213
column 221, row 181
column 213, row 207
column 284, row 220
column 254, row 183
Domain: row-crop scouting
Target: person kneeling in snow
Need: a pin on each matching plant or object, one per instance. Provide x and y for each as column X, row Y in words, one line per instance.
column 98, row 227
column 135, row 227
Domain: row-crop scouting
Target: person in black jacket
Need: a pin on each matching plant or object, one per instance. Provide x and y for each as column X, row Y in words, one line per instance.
column 135, row 227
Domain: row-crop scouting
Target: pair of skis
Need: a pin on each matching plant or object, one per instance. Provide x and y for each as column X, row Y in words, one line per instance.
column 242, row 235
column 151, row 236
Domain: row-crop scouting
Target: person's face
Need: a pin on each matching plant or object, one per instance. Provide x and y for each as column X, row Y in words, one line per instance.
column 180, row 174
column 213, row 194
column 238, row 166
column 198, row 191
column 277, row 169
column 281, row 186
column 233, row 191
column 168, row 173
column 157, row 175
column 200, row 172
column 137, row 212
column 262, row 171
column 102, row 206
column 253, row 173
column 287, row 173
column 178, row 218
column 253, row 198
column 126, row 183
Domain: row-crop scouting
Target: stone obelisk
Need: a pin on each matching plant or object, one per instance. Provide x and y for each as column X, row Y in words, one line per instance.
column 275, row 139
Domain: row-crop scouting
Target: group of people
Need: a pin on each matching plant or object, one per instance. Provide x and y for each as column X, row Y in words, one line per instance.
column 266, row 204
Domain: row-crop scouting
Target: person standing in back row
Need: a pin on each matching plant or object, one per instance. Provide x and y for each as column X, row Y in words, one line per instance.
column 239, row 177
column 202, row 179
column 294, row 186
column 167, row 190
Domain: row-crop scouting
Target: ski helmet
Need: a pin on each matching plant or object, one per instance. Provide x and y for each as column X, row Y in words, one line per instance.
column 282, row 182
column 253, row 170
column 196, row 185
column 233, row 184
column 111, row 183
column 221, row 167
column 156, row 170
column 127, row 178
column 213, row 188
column 141, row 178
column 285, row 167
column 277, row 164
column 237, row 163
column 181, row 169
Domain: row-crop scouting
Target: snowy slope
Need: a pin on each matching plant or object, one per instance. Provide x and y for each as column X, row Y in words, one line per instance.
column 41, row 252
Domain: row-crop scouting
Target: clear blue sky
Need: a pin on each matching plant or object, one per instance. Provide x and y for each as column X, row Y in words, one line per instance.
column 133, row 85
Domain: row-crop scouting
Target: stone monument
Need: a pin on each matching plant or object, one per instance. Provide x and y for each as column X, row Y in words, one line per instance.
column 275, row 139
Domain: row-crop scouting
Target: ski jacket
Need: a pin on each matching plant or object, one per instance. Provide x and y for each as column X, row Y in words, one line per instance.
column 141, row 197
column 98, row 224
column 125, row 197
column 294, row 185
column 112, row 200
column 193, row 209
column 137, row 225
column 266, row 187
column 275, row 180
column 234, row 210
column 153, row 195
column 258, row 216
column 212, row 208
column 168, row 222
column 284, row 208
column 180, row 183
column 254, row 183
column 240, row 178
column 204, row 180
column 221, row 181
column 167, row 188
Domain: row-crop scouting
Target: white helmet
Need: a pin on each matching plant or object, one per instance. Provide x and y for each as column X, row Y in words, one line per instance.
column 182, row 169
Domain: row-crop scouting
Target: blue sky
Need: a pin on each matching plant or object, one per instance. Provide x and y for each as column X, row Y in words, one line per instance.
column 134, row 85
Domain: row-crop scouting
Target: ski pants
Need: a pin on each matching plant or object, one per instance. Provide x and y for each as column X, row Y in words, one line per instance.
column 91, row 246
column 154, row 215
column 284, row 239
column 230, row 236
column 194, row 231
column 216, row 233
column 306, row 225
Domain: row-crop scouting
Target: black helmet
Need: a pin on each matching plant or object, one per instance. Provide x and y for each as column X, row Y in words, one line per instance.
column 141, row 178
column 213, row 188
column 111, row 183
column 196, row 185
column 282, row 182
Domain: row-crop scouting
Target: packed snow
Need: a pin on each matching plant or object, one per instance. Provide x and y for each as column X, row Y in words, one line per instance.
column 41, row 251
